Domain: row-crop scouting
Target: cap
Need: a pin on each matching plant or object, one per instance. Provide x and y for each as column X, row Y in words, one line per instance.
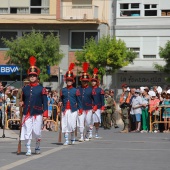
column 85, row 76
column 69, row 74
column 26, row 80
column 33, row 69
column 106, row 91
column 111, row 91
column 159, row 89
column 95, row 76
column 137, row 91
column 124, row 85
column 147, row 90
column 152, row 93
column 168, row 92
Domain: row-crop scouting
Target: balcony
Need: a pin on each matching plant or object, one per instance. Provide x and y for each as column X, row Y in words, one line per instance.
column 79, row 12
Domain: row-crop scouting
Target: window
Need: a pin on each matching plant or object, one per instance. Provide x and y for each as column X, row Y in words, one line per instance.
column 26, row 7
column 12, row 34
column 149, row 56
column 3, row 10
column 136, row 50
column 56, row 33
column 78, row 38
column 8, row 35
column 150, row 10
column 132, row 9
column 165, row 12
column 134, row 5
column 82, row 4
column 39, row 7
column 124, row 6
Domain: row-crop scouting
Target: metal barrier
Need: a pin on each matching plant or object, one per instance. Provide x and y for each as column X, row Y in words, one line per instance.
column 156, row 121
column 52, row 119
column 11, row 115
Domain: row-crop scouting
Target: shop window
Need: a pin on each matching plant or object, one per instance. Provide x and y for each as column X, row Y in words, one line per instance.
column 8, row 36
column 78, row 39
column 149, row 56
column 56, row 33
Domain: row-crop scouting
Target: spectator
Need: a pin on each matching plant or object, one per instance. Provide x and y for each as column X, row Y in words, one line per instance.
column 166, row 113
column 137, row 109
column 113, row 114
column 153, row 109
column 145, row 114
column 132, row 118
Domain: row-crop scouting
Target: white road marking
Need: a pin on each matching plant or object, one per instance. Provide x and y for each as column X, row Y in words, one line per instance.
column 33, row 157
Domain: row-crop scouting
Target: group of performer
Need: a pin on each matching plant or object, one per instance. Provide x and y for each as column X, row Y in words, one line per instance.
column 81, row 107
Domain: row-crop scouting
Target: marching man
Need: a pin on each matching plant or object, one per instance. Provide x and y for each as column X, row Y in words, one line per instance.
column 71, row 106
column 98, row 95
column 34, row 102
column 85, row 120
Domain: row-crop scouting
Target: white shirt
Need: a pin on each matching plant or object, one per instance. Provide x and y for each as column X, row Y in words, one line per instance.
column 136, row 101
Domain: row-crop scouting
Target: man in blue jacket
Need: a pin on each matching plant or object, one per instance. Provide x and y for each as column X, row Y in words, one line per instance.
column 98, row 108
column 85, row 120
column 71, row 106
column 34, row 102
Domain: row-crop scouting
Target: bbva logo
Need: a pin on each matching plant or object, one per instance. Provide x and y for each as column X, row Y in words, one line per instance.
column 9, row 69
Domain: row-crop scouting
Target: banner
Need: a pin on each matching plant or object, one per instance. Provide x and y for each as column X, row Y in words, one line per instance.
column 9, row 69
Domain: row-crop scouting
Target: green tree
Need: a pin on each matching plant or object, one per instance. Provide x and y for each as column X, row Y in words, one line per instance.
column 46, row 50
column 164, row 52
column 108, row 55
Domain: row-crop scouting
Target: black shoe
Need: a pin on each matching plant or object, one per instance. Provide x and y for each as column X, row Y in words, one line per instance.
column 116, row 126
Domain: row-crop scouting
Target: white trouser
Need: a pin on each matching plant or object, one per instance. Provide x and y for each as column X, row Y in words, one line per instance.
column 85, row 119
column 31, row 128
column 97, row 116
column 69, row 121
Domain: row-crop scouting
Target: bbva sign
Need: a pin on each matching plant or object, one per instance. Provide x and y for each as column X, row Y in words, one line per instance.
column 9, row 69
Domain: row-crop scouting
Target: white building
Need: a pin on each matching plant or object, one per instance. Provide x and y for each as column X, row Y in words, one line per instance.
column 144, row 25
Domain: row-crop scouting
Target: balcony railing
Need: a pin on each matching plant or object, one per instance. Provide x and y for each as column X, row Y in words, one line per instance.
column 79, row 12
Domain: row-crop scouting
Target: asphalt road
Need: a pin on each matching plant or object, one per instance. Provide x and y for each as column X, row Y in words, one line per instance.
column 113, row 151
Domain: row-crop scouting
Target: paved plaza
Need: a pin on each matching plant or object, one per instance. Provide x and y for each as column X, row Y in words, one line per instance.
column 113, row 151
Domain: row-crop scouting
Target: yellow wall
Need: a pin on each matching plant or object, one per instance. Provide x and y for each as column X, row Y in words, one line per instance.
column 53, row 4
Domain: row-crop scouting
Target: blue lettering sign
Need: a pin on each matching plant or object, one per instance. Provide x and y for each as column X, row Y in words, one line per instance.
column 9, row 69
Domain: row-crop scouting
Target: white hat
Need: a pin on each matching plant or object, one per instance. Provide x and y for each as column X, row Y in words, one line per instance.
column 137, row 91
column 152, row 93
column 168, row 92
column 142, row 89
column 159, row 89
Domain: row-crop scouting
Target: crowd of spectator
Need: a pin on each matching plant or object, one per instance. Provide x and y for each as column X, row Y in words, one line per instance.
column 11, row 96
column 146, row 105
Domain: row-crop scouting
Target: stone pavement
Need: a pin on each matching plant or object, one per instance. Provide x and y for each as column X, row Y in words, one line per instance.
column 113, row 151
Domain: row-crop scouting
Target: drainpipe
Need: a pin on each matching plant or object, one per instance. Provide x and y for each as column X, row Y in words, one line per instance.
column 58, row 9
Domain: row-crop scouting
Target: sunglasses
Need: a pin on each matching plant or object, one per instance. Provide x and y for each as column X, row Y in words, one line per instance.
column 32, row 75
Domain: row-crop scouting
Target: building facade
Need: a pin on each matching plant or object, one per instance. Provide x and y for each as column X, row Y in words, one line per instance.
column 144, row 25
column 72, row 20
